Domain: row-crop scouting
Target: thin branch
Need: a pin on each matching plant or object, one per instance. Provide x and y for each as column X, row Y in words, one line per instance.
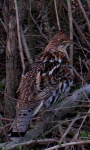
column 88, row 76
column 81, row 33
column 78, row 75
column 12, row 145
column 6, row 119
column 3, row 24
column 26, row 47
column 61, row 131
column 3, row 128
column 71, row 29
column 4, row 131
column 69, row 128
column 56, row 11
column 77, row 27
column 76, row 136
column 19, row 37
column 37, row 24
column 85, row 66
column 84, row 14
column 80, row 63
column 75, row 71
column 69, row 144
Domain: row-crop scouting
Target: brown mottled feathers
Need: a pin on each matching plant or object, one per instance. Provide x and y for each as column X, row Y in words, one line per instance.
column 50, row 75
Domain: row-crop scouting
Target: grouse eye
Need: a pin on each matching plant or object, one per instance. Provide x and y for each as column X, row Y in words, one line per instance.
column 61, row 40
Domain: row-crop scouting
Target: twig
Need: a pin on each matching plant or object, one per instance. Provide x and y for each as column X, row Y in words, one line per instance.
column 7, row 125
column 86, row 113
column 6, row 119
column 75, row 71
column 12, row 145
column 77, row 74
column 81, row 68
column 82, row 142
column 79, row 106
column 77, row 27
column 84, row 14
column 81, row 33
column 4, row 131
column 68, row 129
column 19, row 38
column 3, row 25
column 88, row 76
column 71, row 29
column 76, row 136
column 85, row 66
column 56, row 11
column 60, row 128
column 37, row 24
column 26, row 47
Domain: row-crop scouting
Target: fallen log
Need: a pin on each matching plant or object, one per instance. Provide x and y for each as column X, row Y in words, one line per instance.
column 58, row 111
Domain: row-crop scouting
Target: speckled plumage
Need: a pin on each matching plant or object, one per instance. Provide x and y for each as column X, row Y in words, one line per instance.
column 49, row 75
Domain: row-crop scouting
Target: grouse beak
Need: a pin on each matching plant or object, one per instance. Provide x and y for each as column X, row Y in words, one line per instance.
column 69, row 42
column 64, row 45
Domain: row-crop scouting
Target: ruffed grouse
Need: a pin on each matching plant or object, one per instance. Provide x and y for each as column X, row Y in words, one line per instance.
column 50, row 75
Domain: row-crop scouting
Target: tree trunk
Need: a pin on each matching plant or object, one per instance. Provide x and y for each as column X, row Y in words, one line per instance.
column 11, row 62
column 12, row 52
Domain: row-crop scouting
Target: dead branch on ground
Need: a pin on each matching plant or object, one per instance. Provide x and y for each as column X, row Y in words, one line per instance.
column 58, row 111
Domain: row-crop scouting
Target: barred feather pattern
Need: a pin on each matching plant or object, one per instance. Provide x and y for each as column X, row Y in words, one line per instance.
column 50, row 75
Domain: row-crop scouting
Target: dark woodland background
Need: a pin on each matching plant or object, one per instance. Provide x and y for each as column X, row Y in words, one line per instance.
column 26, row 26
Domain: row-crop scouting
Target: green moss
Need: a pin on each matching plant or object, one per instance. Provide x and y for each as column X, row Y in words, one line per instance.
column 84, row 135
column 19, row 147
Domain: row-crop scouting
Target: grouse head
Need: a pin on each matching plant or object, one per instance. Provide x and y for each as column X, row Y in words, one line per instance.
column 59, row 40
column 58, row 46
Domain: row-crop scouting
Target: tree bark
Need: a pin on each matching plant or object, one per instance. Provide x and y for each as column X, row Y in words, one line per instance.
column 12, row 52
column 11, row 62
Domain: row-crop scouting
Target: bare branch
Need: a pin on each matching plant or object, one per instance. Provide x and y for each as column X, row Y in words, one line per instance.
column 84, row 14
column 26, row 49
column 12, row 145
column 3, row 24
column 69, row 128
column 71, row 29
column 6, row 119
column 19, row 37
column 78, row 28
column 56, row 11
column 37, row 24
column 82, row 142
